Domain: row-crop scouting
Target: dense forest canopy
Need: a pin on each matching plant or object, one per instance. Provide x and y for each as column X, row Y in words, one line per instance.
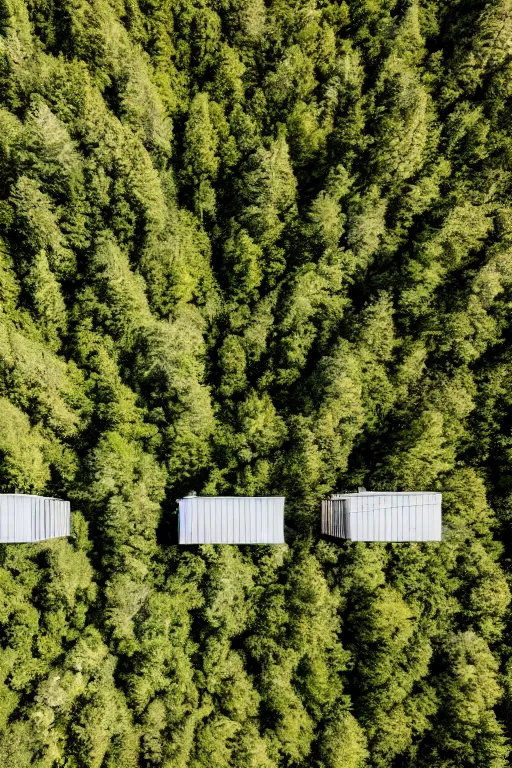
column 256, row 247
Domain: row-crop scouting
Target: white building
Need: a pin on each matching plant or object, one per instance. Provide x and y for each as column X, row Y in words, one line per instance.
column 383, row 516
column 231, row 520
column 29, row 518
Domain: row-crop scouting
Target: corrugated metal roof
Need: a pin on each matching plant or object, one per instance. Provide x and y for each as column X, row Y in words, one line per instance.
column 383, row 516
column 231, row 520
column 31, row 518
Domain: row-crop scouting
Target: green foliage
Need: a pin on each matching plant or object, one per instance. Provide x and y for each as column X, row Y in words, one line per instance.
column 22, row 450
column 200, row 157
column 268, row 189
column 466, row 707
column 255, row 248
column 343, row 743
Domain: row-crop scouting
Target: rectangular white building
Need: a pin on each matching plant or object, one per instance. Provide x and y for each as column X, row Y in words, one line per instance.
column 28, row 518
column 383, row 516
column 231, row 520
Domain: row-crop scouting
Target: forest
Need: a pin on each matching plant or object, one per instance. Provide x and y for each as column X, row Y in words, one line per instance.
column 256, row 247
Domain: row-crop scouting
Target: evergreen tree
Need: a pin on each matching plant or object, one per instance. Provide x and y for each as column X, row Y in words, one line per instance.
column 255, row 248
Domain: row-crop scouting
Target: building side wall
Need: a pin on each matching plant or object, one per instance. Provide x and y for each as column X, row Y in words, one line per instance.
column 231, row 520
column 335, row 518
column 389, row 516
column 28, row 518
column 397, row 517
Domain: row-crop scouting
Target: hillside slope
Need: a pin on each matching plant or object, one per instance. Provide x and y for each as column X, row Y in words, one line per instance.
column 255, row 248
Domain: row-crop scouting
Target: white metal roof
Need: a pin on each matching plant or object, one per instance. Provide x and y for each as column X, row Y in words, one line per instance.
column 383, row 516
column 231, row 520
column 30, row 518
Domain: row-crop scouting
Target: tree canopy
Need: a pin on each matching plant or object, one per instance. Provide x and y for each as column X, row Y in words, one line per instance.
column 256, row 247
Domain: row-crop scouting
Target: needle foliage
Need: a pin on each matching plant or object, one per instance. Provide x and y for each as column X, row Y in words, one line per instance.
column 255, row 247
